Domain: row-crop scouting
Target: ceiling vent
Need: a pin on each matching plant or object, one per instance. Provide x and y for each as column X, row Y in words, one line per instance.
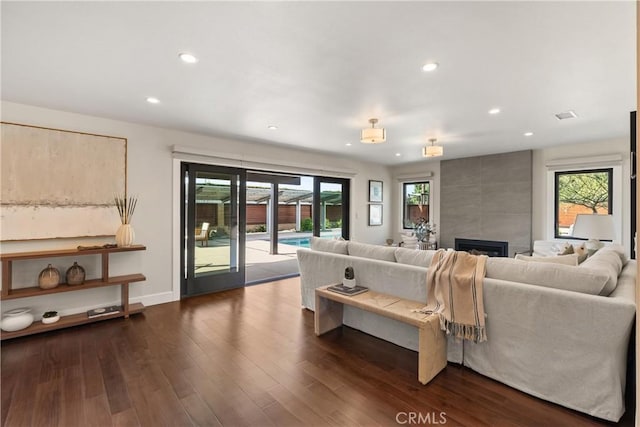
column 566, row 115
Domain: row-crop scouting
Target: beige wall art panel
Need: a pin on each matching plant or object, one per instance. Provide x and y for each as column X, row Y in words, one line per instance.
column 58, row 183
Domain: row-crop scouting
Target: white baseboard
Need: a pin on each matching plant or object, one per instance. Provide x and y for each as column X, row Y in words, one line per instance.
column 154, row 299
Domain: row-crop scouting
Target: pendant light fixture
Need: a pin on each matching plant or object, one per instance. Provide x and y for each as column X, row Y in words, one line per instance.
column 373, row 135
column 432, row 150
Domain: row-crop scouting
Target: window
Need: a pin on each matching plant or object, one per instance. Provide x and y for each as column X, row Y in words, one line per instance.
column 415, row 202
column 581, row 192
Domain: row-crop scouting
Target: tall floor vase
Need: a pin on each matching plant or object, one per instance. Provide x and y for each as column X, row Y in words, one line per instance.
column 125, row 235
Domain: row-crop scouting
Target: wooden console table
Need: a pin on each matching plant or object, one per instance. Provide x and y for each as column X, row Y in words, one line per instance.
column 8, row 291
column 432, row 347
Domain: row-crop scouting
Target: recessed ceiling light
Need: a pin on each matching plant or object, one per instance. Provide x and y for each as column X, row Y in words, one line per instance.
column 494, row 111
column 188, row 58
column 398, row 154
column 528, row 134
column 272, row 127
column 348, row 144
column 566, row 115
column 152, row 100
column 430, row 66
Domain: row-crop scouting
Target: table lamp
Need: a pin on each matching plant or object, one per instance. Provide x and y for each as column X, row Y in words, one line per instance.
column 595, row 228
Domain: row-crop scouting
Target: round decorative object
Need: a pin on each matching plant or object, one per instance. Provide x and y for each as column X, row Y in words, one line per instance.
column 50, row 317
column 75, row 274
column 16, row 319
column 49, row 278
column 125, row 235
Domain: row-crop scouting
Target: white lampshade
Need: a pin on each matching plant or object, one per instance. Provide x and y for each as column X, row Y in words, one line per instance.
column 594, row 227
column 373, row 136
column 432, row 151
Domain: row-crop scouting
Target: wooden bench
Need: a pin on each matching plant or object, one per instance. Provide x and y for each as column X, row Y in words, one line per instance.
column 432, row 347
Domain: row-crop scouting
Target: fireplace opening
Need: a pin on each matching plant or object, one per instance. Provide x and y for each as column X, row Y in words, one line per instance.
column 483, row 247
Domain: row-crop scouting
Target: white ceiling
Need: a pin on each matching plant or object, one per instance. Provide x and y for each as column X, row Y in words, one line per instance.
column 320, row 70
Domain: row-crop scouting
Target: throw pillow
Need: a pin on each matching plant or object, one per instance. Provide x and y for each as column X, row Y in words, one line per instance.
column 567, row 249
column 581, row 251
column 571, row 260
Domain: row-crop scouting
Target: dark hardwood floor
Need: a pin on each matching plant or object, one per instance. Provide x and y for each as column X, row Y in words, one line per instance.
column 245, row 357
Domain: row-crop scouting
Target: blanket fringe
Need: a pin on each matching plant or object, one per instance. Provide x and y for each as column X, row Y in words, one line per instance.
column 468, row 332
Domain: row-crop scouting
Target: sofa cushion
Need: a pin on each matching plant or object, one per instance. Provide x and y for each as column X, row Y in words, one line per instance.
column 571, row 260
column 608, row 260
column 364, row 250
column 576, row 279
column 329, row 245
column 414, row 257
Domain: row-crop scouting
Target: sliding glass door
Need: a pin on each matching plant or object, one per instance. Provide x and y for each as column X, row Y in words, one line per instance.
column 213, row 228
column 331, row 207
column 244, row 227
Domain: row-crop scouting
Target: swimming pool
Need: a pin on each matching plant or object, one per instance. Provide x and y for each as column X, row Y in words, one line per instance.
column 303, row 242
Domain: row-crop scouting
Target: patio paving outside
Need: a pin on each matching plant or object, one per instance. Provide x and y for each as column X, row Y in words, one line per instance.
column 259, row 264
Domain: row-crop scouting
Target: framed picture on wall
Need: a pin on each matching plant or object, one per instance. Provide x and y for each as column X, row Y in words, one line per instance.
column 375, row 191
column 375, row 214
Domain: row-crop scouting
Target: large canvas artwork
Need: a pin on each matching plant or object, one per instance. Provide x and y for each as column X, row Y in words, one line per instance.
column 58, row 183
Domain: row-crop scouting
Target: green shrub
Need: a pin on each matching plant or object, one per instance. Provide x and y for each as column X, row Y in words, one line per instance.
column 261, row 228
column 332, row 224
column 306, row 224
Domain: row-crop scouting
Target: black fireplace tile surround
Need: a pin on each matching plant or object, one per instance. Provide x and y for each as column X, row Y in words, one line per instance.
column 492, row 248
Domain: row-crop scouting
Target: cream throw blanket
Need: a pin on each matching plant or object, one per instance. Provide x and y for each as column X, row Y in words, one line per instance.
column 454, row 292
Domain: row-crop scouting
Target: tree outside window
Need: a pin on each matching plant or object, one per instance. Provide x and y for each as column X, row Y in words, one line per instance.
column 581, row 192
column 415, row 202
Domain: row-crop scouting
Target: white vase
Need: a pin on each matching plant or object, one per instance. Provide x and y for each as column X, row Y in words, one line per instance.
column 125, row 235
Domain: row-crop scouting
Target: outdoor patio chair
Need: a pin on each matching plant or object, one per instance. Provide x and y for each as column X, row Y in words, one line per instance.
column 203, row 235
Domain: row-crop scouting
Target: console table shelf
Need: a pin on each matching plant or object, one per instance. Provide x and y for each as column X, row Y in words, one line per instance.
column 63, row 287
column 69, row 321
column 9, row 293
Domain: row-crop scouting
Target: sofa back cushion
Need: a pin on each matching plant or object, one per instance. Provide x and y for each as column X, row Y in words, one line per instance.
column 576, row 279
column 329, row 245
column 364, row 250
column 610, row 261
column 414, row 257
column 571, row 259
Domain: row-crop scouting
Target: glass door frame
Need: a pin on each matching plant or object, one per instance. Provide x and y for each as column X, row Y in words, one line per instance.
column 346, row 185
column 237, row 232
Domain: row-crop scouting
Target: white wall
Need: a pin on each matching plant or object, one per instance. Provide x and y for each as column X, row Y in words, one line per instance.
column 151, row 176
column 428, row 170
column 543, row 202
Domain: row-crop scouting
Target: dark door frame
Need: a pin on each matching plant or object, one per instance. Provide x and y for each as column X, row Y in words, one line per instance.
column 346, row 185
column 237, row 228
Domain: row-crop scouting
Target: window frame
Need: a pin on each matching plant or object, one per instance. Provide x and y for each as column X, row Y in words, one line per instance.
column 404, row 200
column 556, row 195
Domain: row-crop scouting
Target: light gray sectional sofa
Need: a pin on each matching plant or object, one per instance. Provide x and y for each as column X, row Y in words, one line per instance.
column 557, row 332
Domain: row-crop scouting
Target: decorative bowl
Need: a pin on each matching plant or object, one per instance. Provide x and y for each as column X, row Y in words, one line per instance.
column 16, row 319
column 50, row 317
